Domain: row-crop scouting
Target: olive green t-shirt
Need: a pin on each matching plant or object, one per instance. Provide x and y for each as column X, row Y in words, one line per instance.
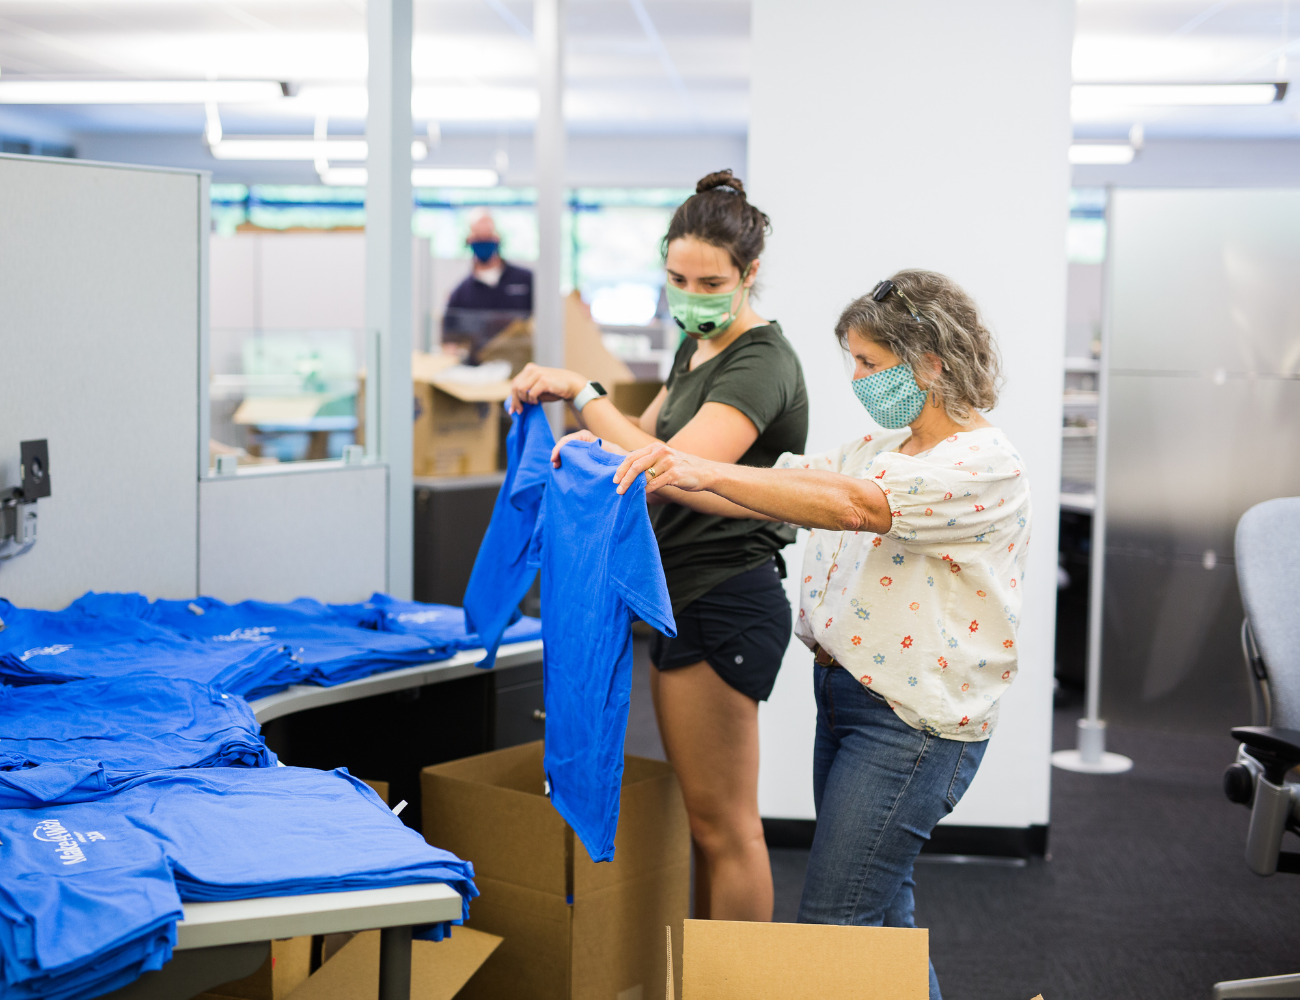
column 759, row 374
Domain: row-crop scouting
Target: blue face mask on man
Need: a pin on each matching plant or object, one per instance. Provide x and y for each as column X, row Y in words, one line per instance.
column 892, row 396
column 485, row 250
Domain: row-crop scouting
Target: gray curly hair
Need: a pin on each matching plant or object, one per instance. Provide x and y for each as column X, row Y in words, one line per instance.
column 950, row 328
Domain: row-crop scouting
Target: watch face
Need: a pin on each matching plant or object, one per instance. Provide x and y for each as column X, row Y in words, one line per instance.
column 599, row 388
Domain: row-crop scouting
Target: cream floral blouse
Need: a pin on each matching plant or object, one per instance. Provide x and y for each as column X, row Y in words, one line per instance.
column 926, row 614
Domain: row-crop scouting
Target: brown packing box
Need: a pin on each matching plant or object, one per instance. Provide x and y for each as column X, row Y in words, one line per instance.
column 456, row 423
column 438, row 968
column 573, row 929
column 287, row 968
column 732, row 960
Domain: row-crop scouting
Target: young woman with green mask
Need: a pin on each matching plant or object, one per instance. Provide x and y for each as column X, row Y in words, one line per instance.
column 735, row 394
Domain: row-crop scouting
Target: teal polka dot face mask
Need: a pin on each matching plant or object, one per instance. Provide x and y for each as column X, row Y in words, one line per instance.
column 892, row 396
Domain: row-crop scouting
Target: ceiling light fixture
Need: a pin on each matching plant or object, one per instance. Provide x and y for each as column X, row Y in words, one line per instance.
column 244, row 148
column 1101, row 154
column 140, row 91
column 319, row 148
column 444, row 177
column 1114, row 96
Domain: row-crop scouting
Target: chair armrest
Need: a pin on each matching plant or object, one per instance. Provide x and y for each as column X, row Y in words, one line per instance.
column 1277, row 749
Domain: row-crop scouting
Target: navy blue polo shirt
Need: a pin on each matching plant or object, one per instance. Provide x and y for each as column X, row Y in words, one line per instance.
column 514, row 292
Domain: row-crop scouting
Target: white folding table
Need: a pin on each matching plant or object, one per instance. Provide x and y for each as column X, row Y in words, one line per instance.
column 218, row 942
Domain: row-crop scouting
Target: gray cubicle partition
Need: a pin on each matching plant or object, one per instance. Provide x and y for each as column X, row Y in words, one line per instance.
column 1204, row 411
column 101, row 271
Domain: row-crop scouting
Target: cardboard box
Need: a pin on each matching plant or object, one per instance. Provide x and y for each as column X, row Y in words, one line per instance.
column 439, row 969
column 456, row 429
column 285, row 969
column 573, row 929
column 734, row 960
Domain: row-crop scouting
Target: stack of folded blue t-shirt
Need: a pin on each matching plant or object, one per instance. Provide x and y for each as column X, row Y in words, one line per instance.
column 51, row 647
column 141, row 722
column 90, row 892
column 326, row 649
column 441, row 624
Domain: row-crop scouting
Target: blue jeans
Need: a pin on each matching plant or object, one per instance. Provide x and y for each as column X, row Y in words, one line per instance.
column 879, row 786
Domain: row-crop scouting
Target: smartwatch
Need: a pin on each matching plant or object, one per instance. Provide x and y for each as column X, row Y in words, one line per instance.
column 590, row 391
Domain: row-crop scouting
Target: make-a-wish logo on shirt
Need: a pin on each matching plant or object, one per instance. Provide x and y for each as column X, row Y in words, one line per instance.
column 45, row 651
column 254, row 634
column 67, row 845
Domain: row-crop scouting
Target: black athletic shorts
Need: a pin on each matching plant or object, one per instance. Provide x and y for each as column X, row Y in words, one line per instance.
column 741, row 628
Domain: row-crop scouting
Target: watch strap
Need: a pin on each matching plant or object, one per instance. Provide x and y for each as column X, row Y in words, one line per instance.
column 590, row 391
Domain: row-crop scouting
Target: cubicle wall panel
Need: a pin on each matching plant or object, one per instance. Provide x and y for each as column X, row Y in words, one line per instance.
column 1171, row 643
column 1205, row 280
column 304, row 533
column 99, row 336
column 1191, row 458
column 1204, row 422
column 1188, row 456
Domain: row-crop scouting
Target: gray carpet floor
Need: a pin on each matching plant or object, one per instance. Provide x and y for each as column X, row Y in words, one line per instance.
column 1143, row 895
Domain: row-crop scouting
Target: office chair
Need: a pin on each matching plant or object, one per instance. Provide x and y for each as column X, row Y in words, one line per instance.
column 1268, row 575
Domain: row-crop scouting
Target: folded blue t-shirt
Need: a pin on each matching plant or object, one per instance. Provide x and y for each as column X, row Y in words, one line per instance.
column 141, row 722
column 51, row 647
column 436, row 623
column 601, row 571
column 326, row 651
column 501, row 576
column 82, row 883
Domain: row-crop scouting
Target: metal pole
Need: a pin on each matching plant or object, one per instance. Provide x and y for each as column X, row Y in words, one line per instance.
column 388, row 268
column 548, row 144
column 395, row 960
column 1091, row 755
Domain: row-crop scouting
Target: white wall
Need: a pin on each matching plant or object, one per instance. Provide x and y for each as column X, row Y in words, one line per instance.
column 276, row 535
column 99, row 335
column 888, row 135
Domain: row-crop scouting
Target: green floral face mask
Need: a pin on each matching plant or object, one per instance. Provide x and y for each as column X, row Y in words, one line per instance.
column 702, row 315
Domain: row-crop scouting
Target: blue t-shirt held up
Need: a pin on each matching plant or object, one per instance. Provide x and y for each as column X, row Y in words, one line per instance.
column 501, row 575
column 600, row 571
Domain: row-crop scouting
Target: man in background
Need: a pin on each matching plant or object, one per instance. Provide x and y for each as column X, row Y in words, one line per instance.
column 494, row 295
column 492, row 285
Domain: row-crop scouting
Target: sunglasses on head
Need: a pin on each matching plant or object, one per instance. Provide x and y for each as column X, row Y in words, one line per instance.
column 885, row 288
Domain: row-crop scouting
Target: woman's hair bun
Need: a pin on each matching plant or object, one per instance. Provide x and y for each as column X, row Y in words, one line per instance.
column 720, row 179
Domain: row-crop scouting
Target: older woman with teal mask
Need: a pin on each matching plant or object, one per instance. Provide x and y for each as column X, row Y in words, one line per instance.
column 910, row 588
column 735, row 394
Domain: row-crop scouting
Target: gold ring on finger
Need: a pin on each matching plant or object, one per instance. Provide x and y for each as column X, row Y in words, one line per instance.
column 650, row 472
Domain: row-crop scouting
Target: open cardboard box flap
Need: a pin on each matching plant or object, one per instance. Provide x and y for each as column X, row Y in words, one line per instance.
column 438, row 968
column 736, row 960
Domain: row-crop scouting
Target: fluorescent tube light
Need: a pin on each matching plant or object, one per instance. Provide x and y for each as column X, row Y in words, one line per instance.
column 344, row 176
column 245, row 148
column 290, row 149
column 1106, row 96
column 452, row 177
column 1105, row 154
column 139, row 91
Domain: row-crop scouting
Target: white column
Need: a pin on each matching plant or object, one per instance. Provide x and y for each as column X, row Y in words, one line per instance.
column 548, row 143
column 891, row 135
column 388, row 266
